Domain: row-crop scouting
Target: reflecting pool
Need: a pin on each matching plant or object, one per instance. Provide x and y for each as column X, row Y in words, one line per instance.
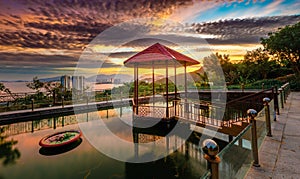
column 22, row 157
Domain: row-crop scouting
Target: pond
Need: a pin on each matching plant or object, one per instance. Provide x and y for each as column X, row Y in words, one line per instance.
column 173, row 156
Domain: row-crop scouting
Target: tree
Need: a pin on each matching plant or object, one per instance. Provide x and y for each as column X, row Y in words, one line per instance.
column 52, row 89
column 4, row 89
column 36, row 84
column 8, row 150
column 229, row 69
column 260, row 64
column 214, row 70
column 204, row 79
column 284, row 45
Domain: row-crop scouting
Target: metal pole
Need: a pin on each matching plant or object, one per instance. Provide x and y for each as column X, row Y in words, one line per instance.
column 281, row 97
column 87, row 98
column 32, row 105
column 62, row 101
column 276, row 100
column 54, row 123
column 284, row 94
column 273, row 92
column 63, row 121
column 54, row 101
column 267, row 114
column 252, row 114
column 32, row 126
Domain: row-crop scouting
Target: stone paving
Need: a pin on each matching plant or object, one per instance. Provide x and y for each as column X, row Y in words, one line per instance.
column 279, row 155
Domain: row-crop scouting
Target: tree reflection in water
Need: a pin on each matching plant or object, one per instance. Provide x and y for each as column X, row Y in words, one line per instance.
column 8, row 152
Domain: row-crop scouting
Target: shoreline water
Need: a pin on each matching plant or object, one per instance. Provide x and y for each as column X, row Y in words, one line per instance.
column 20, row 87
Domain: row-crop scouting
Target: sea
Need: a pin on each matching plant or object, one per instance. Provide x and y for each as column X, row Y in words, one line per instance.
column 20, row 87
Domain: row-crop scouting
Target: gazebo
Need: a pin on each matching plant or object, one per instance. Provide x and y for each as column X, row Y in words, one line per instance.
column 154, row 57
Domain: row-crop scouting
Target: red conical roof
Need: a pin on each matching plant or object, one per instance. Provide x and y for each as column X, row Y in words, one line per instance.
column 157, row 55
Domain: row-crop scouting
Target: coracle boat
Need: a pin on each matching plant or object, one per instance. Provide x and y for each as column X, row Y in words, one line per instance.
column 60, row 138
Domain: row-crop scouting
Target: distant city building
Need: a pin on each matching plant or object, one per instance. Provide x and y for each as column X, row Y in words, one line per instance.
column 104, row 81
column 78, row 83
column 117, row 81
column 66, row 82
column 108, row 81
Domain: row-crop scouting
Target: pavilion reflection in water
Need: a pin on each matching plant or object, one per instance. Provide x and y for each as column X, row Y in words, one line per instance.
column 184, row 159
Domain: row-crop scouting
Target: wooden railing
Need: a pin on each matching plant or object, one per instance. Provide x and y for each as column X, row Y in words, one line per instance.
column 155, row 111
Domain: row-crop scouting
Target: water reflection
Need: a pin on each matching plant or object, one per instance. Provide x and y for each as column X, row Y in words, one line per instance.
column 83, row 160
column 184, row 161
column 172, row 166
column 8, row 152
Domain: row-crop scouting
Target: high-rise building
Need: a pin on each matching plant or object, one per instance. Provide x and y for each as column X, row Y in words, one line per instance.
column 65, row 82
column 78, row 83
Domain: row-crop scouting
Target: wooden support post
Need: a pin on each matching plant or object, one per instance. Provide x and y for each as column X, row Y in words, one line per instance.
column 153, row 84
column 167, row 90
column 175, row 90
column 136, row 90
column 136, row 143
column 186, row 105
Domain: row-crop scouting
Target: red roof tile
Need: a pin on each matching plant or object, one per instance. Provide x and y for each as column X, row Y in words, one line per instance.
column 157, row 55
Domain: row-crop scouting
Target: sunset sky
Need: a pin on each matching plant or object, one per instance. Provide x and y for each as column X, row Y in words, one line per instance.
column 47, row 38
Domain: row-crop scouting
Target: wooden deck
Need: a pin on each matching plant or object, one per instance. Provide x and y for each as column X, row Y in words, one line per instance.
column 201, row 115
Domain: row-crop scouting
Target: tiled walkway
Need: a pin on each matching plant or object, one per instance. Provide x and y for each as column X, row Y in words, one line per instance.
column 279, row 155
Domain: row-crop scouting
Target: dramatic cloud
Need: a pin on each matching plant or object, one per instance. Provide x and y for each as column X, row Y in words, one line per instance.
column 48, row 36
column 45, row 64
column 50, row 61
column 248, row 30
column 71, row 24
